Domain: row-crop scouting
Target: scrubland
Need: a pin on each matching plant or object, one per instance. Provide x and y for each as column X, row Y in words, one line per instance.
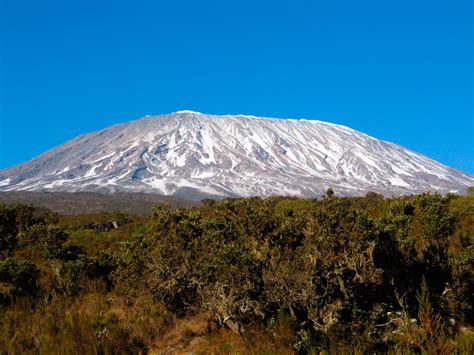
column 274, row 275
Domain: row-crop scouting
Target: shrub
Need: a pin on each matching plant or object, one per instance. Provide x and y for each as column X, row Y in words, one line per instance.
column 18, row 277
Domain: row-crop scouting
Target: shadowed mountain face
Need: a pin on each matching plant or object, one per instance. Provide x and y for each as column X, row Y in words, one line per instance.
column 71, row 203
column 194, row 155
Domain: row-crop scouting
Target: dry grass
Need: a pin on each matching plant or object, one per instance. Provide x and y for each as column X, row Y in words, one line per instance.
column 198, row 334
column 93, row 323
column 181, row 332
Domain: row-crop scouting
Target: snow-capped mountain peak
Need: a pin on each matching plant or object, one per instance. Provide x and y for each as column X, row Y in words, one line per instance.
column 193, row 155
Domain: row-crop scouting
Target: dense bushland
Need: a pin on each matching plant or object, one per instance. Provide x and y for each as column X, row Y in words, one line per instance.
column 243, row 275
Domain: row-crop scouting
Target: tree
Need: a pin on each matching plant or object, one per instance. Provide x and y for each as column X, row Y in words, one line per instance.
column 8, row 231
column 373, row 195
column 19, row 275
column 329, row 192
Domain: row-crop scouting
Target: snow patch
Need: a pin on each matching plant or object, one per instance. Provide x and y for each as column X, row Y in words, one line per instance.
column 189, row 111
column 5, row 182
column 395, row 180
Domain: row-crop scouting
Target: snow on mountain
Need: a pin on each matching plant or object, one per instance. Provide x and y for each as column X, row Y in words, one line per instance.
column 195, row 155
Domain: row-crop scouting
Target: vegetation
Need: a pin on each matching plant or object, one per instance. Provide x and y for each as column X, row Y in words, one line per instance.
column 275, row 275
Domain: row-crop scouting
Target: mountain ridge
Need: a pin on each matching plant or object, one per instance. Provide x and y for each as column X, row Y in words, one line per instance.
column 190, row 154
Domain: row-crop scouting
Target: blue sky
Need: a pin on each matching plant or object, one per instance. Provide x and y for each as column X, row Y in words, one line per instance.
column 397, row 70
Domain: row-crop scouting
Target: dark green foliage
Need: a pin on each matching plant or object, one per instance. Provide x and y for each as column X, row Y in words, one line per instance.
column 73, row 275
column 76, row 272
column 373, row 195
column 339, row 274
column 331, row 264
column 8, row 229
column 48, row 239
column 329, row 192
column 18, row 277
column 17, row 219
column 102, row 266
column 13, row 220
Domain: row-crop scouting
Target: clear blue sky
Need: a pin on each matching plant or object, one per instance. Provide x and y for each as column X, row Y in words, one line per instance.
column 396, row 69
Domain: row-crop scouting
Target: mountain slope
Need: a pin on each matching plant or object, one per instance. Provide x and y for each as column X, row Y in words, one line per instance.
column 195, row 155
column 73, row 203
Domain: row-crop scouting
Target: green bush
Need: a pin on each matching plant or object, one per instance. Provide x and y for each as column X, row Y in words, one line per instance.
column 335, row 275
column 18, row 277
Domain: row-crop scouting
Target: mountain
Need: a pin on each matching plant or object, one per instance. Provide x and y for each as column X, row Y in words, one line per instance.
column 71, row 203
column 193, row 155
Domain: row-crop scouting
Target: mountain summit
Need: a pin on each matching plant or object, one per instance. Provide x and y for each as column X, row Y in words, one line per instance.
column 195, row 155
